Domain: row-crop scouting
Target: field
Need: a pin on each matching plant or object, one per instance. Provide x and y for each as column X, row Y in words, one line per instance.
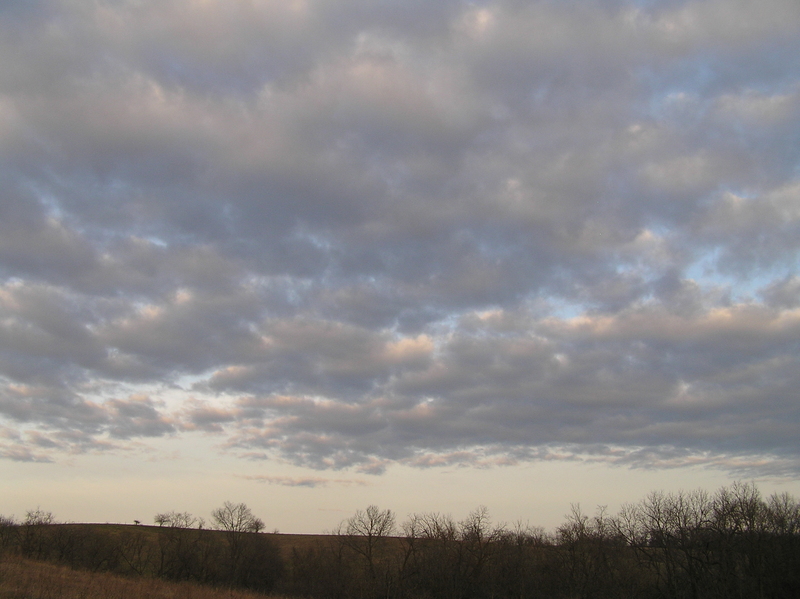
column 27, row 579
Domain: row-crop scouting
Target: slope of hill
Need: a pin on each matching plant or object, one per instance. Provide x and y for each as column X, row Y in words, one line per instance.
column 29, row 579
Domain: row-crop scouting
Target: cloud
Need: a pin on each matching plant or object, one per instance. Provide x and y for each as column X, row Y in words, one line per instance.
column 308, row 481
column 137, row 417
column 437, row 234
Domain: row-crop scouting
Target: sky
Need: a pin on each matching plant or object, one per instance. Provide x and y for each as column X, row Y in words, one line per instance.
column 313, row 255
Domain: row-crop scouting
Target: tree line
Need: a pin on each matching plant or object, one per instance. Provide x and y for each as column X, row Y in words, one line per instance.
column 687, row 545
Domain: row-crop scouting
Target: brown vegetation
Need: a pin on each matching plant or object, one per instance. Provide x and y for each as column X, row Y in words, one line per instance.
column 22, row 578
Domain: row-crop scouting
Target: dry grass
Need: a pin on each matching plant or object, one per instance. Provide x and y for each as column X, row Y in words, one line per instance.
column 26, row 579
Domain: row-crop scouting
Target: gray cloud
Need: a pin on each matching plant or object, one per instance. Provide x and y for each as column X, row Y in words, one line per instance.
column 311, row 482
column 434, row 233
column 645, row 378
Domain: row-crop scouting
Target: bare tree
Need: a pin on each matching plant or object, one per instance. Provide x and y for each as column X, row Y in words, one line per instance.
column 34, row 536
column 175, row 519
column 37, row 517
column 236, row 517
column 237, row 520
column 365, row 534
column 366, row 530
column 449, row 559
column 371, row 523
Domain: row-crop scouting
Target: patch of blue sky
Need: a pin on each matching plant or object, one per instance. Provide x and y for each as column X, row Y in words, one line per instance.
column 47, row 199
column 672, row 91
column 565, row 310
column 705, row 272
column 741, row 192
column 316, row 238
column 156, row 241
column 446, row 325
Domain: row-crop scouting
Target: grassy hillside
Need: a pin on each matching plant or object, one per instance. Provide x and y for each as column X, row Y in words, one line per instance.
column 27, row 579
column 286, row 543
column 249, row 561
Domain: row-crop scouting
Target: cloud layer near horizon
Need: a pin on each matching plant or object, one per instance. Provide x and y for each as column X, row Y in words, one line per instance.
column 349, row 233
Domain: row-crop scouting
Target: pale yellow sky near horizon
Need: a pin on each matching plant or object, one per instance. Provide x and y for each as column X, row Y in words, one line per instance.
column 124, row 488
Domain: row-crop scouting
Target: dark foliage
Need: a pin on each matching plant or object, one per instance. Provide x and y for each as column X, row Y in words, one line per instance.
column 734, row 544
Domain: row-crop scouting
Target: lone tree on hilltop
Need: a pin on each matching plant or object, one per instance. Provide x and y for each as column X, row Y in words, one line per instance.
column 238, row 522
column 366, row 532
column 235, row 518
